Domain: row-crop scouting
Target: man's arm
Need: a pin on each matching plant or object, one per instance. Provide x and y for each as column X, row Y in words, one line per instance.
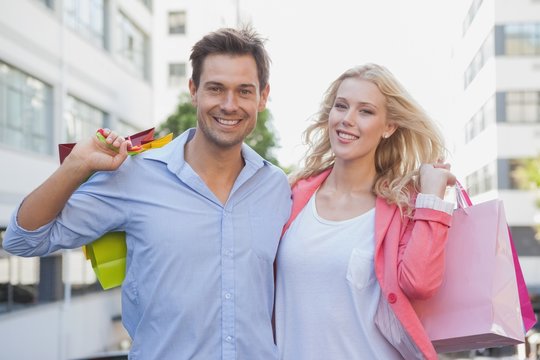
column 43, row 204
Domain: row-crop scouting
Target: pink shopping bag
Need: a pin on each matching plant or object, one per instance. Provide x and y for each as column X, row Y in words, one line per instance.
column 527, row 312
column 478, row 304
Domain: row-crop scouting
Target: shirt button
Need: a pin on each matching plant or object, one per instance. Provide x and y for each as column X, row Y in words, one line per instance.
column 228, row 296
column 229, row 252
column 228, row 339
column 392, row 298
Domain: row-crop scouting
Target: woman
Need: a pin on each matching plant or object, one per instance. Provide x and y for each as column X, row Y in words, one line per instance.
column 367, row 231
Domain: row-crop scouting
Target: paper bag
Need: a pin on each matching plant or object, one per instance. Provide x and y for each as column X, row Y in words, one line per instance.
column 108, row 257
column 108, row 253
column 478, row 305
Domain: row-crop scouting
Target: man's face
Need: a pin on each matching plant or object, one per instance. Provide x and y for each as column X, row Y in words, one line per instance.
column 228, row 99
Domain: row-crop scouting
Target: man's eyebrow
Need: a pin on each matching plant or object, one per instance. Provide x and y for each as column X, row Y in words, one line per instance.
column 212, row 83
column 247, row 86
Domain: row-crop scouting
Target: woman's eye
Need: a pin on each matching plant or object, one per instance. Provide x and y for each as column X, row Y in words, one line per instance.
column 340, row 106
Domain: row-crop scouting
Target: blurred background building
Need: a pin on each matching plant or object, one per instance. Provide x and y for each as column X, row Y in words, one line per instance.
column 68, row 67
column 497, row 59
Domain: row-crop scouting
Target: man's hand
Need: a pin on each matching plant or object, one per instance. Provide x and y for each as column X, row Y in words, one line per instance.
column 45, row 202
column 99, row 155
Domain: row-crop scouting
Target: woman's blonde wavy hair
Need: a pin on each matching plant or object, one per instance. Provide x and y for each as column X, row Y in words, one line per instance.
column 416, row 140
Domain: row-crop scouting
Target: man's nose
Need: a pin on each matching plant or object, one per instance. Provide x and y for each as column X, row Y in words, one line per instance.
column 230, row 102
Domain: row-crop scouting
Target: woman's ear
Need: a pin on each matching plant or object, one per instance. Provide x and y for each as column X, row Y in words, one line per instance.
column 389, row 130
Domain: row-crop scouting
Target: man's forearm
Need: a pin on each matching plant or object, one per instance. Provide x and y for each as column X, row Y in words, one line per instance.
column 45, row 203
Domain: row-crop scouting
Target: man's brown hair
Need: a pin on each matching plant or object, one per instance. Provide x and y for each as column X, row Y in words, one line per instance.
column 229, row 41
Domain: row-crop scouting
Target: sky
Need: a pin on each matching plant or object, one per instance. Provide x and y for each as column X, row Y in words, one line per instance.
column 312, row 42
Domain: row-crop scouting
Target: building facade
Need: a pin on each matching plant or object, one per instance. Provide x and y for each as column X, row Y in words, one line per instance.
column 181, row 23
column 497, row 103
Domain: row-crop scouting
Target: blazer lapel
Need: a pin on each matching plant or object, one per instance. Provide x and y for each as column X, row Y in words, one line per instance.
column 383, row 217
column 302, row 192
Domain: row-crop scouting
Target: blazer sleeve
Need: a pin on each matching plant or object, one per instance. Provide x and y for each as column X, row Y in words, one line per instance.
column 421, row 253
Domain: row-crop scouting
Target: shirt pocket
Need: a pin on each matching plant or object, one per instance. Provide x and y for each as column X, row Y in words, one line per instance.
column 360, row 270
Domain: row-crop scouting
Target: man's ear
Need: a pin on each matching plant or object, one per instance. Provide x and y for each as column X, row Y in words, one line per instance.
column 264, row 98
column 193, row 92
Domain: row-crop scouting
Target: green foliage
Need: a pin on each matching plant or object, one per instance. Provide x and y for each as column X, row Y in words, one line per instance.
column 262, row 139
column 183, row 118
column 527, row 176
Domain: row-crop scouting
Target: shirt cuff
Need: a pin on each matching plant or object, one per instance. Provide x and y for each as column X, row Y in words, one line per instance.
column 434, row 202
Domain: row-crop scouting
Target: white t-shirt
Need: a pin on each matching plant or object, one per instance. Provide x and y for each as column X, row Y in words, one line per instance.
column 326, row 290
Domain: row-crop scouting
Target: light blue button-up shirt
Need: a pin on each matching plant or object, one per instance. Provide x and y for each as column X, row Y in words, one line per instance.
column 199, row 278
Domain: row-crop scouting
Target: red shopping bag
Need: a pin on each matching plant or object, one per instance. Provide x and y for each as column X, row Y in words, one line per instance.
column 478, row 304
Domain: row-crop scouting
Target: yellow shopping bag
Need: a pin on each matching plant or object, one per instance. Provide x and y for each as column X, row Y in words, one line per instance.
column 108, row 257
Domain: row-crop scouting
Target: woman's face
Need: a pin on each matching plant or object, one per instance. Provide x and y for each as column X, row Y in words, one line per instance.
column 357, row 120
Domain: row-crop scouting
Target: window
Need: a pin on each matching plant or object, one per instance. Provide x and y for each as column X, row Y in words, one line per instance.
column 480, row 120
column 482, row 180
column 526, row 239
column 79, row 270
column 132, row 45
column 471, row 14
column 522, row 39
column 48, row 3
column 86, row 17
column 147, row 3
column 177, row 74
column 18, row 278
column 177, row 22
column 26, row 119
column 486, row 51
column 82, row 119
column 523, row 106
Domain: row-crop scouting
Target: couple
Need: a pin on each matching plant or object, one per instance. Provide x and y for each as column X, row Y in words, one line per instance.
column 204, row 216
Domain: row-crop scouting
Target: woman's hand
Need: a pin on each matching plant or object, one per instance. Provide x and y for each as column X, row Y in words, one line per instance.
column 434, row 178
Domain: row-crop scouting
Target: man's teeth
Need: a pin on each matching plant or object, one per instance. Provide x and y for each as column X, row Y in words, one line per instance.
column 227, row 122
column 347, row 136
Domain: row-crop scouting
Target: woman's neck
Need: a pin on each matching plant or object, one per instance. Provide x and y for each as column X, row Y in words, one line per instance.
column 351, row 178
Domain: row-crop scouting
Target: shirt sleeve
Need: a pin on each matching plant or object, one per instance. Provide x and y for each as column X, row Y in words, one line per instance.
column 431, row 201
column 97, row 207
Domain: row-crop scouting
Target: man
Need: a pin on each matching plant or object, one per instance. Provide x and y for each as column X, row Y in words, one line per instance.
column 203, row 216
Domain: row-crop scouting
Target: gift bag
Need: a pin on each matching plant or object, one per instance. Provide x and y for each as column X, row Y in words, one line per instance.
column 478, row 304
column 108, row 253
column 108, row 257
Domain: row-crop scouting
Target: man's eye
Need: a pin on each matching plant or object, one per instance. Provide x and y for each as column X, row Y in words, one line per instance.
column 245, row 92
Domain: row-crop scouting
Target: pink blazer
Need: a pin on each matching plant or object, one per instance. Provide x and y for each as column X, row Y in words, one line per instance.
column 409, row 264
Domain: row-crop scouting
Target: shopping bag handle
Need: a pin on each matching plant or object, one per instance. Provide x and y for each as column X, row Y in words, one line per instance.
column 462, row 197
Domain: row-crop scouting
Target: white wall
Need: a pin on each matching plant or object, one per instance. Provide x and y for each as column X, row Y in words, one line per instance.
column 56, row 331
column 21, row 173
